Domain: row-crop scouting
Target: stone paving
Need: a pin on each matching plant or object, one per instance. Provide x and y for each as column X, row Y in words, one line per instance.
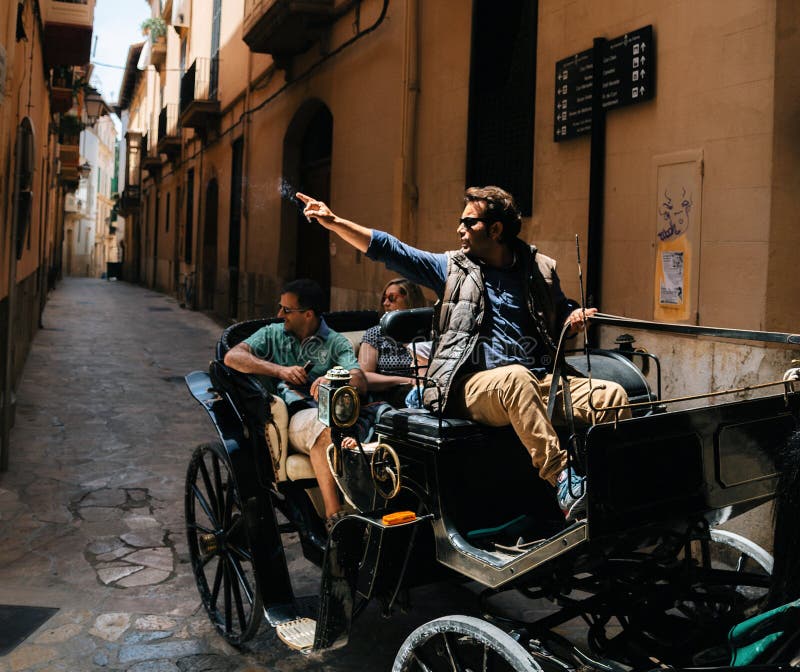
column 91, row 508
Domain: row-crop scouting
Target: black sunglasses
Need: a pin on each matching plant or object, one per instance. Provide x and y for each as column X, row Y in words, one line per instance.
column 469, row 222
column 290, row 310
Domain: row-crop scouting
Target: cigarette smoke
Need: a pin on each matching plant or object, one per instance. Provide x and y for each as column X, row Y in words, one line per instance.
column 288, row 192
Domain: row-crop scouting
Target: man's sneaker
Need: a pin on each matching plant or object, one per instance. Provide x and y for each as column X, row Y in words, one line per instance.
column 571, row 492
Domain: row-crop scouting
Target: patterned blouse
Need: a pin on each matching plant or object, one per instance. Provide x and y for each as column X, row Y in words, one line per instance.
column 393, row 357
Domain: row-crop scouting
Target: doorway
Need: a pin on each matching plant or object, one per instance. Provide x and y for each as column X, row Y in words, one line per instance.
column 307, row 165
column 209, row 260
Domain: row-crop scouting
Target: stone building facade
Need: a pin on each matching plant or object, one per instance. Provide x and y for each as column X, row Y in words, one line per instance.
column 44, row 65
column 389, row 108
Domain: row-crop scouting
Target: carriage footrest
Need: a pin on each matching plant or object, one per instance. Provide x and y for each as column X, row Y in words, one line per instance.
column 297, row 634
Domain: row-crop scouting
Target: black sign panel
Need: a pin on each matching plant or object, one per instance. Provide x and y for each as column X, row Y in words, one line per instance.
column 628, row 78
column 574, row 76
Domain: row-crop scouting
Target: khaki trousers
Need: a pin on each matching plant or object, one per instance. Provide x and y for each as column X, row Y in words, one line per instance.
column 512, row 395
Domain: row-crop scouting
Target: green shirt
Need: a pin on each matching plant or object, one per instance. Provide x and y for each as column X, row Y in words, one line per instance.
column 324, row 349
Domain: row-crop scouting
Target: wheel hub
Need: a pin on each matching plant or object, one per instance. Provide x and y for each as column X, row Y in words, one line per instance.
column 209, row 544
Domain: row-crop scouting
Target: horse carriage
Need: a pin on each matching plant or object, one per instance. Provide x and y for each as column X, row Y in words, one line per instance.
column 434, row 498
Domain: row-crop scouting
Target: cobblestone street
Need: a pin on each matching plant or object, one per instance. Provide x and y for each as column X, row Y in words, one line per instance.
column 91, row 508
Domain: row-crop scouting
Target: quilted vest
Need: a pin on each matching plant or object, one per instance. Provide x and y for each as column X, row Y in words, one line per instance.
column 459, row 314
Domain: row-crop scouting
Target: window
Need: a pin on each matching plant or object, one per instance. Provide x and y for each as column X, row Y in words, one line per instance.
column 167, row 214
column 502, row 92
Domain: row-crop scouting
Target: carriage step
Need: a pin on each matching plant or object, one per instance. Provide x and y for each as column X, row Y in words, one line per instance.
column 297, row 634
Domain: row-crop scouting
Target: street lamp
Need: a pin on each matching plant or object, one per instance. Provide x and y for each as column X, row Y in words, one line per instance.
column 95, row 106
column 85, row 170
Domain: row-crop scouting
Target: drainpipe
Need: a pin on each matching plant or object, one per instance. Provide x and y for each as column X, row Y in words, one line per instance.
column 409, row 195
column 244, row 215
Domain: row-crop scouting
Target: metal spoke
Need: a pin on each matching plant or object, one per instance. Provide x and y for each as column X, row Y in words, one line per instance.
column 227, row 596
column 209, row 489
column 422, row 665
column 450, row 648
column 240, row 553
column 242, row 579
column 199, row 528
column 217, row 584
column 237, row 596
column 205, row 506
column 220, row 492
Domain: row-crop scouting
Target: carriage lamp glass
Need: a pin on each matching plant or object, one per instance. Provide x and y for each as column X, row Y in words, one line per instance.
column 338, row 400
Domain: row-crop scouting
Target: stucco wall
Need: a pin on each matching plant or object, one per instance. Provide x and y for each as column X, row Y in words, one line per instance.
column 716, row 94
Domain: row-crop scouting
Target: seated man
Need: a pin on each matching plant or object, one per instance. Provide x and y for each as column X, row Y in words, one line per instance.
column 291, row 359
column 501, row 310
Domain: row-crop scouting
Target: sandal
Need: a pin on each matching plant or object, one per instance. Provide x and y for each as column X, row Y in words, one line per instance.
column 333, row 519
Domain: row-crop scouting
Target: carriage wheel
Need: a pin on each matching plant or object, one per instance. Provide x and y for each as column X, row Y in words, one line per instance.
column 730, row 584
column 748, row 568
column 219, row 546
column 462, row 643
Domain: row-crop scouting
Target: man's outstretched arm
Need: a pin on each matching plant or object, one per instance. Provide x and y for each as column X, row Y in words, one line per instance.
column 425, row 268
column 355, row 234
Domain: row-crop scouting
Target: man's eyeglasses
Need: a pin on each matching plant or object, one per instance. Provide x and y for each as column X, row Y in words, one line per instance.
column 469, row 222
column 290, row 310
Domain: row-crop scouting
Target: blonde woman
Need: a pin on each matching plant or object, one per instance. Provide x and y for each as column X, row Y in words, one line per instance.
column 387, row 364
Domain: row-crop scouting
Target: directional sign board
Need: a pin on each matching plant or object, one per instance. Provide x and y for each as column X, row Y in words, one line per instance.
column 628, row 78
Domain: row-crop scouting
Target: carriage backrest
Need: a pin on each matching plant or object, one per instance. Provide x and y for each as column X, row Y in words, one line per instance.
column 406, row 326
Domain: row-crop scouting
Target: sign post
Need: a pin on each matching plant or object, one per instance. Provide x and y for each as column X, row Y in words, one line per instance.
column 613, row 73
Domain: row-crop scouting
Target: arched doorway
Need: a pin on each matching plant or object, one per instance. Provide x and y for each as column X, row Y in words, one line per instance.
column 209, row 260
column 307, row 166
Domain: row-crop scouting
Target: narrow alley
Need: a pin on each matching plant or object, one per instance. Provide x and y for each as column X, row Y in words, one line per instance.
column 91, row 508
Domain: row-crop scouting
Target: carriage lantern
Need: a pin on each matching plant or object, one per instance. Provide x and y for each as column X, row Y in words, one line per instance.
column 338, row 400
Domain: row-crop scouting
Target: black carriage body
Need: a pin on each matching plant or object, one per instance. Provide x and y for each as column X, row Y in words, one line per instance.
column 664, row 471
column 686, row 464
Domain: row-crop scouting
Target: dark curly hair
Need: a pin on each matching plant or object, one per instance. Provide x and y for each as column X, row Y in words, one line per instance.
column 500, row 207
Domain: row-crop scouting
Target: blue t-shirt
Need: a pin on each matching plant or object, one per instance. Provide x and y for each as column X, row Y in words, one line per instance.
column 508, row 333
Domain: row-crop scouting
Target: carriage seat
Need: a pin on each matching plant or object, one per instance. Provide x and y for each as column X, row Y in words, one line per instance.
column 289, row 463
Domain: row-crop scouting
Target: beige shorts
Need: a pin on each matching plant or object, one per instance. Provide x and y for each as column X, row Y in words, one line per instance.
column 304, row 429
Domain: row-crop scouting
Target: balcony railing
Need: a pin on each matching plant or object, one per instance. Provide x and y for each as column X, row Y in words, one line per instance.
column 168, row 122
column 199, row 107
column 71, row 12
column 152, row 159
column 284, row 28
column 169, row 136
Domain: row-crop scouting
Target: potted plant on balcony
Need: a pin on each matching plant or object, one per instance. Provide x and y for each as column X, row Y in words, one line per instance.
column 69, row 130
column 155, row 27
